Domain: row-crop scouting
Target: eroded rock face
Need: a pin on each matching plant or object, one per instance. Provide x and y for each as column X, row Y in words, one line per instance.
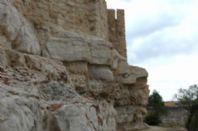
column 59, row 70
column 17, row 30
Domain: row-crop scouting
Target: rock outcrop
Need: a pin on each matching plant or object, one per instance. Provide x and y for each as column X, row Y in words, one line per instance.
column 63, row 67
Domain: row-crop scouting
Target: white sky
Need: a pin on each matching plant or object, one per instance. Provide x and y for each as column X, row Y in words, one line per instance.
column 162, row 36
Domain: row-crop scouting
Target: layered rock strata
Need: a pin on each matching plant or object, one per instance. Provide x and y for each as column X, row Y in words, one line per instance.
column 63, row 67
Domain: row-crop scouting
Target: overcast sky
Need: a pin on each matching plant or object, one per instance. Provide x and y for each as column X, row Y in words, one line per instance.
column 162, row 36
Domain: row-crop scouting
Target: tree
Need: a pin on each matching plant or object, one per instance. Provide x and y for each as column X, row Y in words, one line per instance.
column 156, row 109
column 189, row 99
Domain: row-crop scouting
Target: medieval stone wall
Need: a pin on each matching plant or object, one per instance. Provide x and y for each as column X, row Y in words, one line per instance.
column 82, row 16
column 177, row 116
column 85, row 16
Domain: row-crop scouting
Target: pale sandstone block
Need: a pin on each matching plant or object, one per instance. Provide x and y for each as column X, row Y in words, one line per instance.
column 101, row 73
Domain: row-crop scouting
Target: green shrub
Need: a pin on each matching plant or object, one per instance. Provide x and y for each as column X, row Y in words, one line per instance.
column 189, row 99
column 156, row 109
column 153, row 119
column 193, row 122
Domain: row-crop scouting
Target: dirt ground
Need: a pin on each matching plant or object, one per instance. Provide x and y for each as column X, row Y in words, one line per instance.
column 153, row 128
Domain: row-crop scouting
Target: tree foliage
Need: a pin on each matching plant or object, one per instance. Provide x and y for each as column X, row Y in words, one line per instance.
column 189, row 99
column 156, row 109
column 156, row 102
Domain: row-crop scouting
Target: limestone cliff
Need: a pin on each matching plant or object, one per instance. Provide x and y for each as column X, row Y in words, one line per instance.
column 63, row 67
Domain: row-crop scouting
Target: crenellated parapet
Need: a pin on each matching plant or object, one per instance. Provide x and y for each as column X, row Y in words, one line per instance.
column 116, row 24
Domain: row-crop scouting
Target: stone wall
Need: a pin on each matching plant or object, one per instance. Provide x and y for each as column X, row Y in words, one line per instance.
column 177, row 116
column 85, row 16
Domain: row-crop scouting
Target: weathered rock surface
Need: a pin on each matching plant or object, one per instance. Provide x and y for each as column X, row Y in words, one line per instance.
column 90, row 49
column 17, row 29
column 62, row 70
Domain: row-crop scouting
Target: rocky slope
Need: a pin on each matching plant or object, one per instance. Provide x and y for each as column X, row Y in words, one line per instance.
column 57, row 75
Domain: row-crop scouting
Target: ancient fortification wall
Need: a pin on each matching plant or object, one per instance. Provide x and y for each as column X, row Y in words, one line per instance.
column 85, row 16
column 176, row 117
column 63, row 67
